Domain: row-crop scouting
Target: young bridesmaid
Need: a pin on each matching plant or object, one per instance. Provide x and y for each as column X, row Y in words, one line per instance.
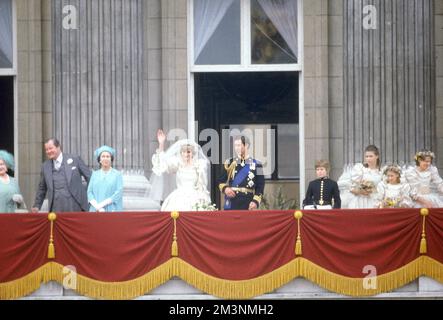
column 426, row 184
column 392, row 192
column 364, row 179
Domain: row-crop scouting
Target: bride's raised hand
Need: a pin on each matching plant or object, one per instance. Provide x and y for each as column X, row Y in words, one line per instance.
column 161, row 138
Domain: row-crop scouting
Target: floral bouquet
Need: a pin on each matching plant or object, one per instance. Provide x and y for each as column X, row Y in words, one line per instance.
column 366, row 185
column 390, row 203
column 204, row 206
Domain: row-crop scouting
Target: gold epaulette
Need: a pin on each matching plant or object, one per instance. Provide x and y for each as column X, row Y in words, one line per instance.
column 230, row 169
column 221, row 186
column 257, row 198
column 227, row 163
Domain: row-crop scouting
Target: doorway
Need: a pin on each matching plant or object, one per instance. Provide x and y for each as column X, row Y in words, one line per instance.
column 226, row 100
column 7, row 113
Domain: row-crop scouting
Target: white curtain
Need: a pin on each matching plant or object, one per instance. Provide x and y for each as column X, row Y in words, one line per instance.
column 207, row 16
column 283, row 14
column 6, row 33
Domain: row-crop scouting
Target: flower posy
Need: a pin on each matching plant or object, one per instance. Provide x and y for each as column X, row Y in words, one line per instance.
column 204, row 206
column 391, row 202
column 367, row 185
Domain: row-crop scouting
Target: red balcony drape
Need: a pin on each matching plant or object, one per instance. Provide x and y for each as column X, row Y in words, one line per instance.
column 230, row 254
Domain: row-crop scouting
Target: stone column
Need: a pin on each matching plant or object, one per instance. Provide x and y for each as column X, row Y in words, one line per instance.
column 389, row 78
column 98, row 85
column 335, row 82
column 438, row 34
column 315, row 84
column 30, row 63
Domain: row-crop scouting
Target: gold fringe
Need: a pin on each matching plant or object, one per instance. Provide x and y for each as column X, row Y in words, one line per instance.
column 300, row 267
column 228, row 289
column 53, row 271
column 432, row 268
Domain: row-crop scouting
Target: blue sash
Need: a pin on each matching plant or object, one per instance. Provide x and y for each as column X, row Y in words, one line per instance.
column 239, row 177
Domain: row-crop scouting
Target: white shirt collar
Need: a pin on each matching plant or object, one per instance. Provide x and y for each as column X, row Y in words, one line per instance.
column 59, row 158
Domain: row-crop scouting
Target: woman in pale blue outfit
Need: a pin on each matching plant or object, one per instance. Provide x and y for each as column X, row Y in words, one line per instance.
column 10, row 197
column 106, row 185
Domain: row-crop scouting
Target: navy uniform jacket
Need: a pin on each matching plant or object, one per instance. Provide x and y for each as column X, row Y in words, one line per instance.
column 250, row 188
column 321, row 192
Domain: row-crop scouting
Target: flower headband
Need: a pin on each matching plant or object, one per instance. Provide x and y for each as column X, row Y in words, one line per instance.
column 393, row 168
column 424, row 154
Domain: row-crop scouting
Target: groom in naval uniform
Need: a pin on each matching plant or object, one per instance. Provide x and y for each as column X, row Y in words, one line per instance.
column 242, row 181
column 61, row 180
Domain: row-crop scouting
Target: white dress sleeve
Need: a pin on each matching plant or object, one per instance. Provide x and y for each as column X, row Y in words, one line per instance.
column 344, row 182
column 436, row 179
column 381, row 193
column 357, row 174
column 412, row 180
column 406, row 201
column 160, row 164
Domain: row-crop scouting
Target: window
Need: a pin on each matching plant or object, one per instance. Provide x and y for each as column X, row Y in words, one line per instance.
column 244, row 34
column 288, row 151
column 217, row 32
column 275, row 146
column 6, row 35
column 273, row 31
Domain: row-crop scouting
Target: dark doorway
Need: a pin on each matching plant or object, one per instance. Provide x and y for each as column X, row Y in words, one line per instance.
column 7, row 113
column 228, row 98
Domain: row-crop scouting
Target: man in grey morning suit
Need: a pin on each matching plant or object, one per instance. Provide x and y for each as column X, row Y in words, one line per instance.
column 61, row 179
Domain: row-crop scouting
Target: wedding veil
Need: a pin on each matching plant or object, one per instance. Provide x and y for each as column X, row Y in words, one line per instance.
column 164, row 182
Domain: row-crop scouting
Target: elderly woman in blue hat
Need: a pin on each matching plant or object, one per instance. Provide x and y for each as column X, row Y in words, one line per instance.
column 106, row 185
column 10, row 196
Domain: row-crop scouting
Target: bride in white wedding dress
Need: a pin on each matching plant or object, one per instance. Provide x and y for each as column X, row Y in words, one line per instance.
column 186, row 160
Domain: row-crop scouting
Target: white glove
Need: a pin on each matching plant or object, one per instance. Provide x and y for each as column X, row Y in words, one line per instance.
column 101, row 210
column 104, row 203
column 94, row 203
column 17, row 198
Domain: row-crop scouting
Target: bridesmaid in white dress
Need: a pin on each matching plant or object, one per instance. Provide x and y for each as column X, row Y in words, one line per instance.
column 363, row 181
column 426, row 184
column 392, row 192
column 185, row 159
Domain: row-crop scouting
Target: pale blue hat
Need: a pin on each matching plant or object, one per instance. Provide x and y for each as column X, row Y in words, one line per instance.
column 99, row 151
column 8, row 159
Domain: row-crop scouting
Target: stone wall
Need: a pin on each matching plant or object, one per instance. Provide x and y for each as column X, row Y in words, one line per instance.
column 316, row 85
column 33, row 89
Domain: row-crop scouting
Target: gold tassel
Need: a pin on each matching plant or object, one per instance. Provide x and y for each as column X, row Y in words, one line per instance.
column 423, row 245
column 51, row 248
column 51, row 251
column 298, row 249
column 174, row 247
